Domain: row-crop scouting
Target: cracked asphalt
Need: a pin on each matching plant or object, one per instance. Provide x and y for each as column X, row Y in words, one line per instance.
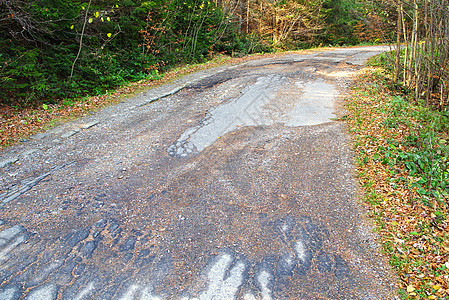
column 230, row 183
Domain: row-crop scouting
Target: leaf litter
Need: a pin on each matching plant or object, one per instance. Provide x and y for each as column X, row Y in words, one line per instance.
column 410, row 211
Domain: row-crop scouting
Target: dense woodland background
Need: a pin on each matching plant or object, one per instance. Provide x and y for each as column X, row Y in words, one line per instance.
column 51, row 50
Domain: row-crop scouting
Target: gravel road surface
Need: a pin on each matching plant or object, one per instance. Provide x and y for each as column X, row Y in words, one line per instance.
column 229, row 183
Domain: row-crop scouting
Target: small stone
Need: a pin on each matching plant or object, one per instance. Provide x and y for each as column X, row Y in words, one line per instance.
column 98, row 204
column 128, row 256
column 144, row 252
column 7, row 162
column 28, row 152
column 129, row 244
column 180, row 151
column 113, row 226
column 10, row 233
column 47, row 292
column 78, row 237
column 79, row 269
column 99, row 197
column 39, row 136
column 68, row 134
column 88, row 249
column 89, row 125
column 95, row 234
column 101, row 223
column 10, row 293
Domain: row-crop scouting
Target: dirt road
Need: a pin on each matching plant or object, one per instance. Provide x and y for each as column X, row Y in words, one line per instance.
column 230, row 183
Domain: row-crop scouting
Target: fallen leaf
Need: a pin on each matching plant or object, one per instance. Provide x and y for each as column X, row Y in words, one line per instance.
column 410, row 289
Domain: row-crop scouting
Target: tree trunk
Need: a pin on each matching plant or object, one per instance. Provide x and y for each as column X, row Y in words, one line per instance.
column 398, row 43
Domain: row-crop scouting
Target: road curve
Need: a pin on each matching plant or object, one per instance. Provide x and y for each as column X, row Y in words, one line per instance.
column 230, row 183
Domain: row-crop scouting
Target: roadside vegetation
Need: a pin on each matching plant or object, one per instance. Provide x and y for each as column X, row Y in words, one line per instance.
column 403, row 166
column 399, row 115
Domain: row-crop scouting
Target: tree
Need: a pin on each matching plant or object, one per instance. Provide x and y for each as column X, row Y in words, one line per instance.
column 425, row 57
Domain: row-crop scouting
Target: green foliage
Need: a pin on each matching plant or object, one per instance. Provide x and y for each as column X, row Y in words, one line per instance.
column 425, row 151
column 122, row 41
column 341, row 16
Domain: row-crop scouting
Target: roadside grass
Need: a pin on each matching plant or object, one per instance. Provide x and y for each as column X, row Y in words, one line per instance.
column 403, row 166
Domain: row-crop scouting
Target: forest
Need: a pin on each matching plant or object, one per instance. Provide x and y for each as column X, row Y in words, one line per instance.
column 54, row 49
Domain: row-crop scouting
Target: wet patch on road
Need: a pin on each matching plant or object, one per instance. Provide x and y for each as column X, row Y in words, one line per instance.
column 315, row 106
column 70, row 274
column 35, row 267
column 263, row 103
column 246, row 110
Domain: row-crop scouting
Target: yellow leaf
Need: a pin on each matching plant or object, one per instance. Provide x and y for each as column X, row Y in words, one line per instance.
column 109, row 19
column 116, row 5
column 410, row 289
column 82, row 7
column 97, row 14
column 109, row 35
column 433, row 297
column 73, row 26
column 102, row 20
column 436, row 287
column 90, row 20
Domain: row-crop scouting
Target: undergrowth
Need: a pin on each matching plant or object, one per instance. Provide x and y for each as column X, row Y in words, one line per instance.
column 403, row 160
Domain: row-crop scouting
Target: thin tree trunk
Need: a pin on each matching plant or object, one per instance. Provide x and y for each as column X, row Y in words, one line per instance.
column 398, row 44
column 415, row 49
column 247, row 16
column 404, row 28
column 81, row 40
